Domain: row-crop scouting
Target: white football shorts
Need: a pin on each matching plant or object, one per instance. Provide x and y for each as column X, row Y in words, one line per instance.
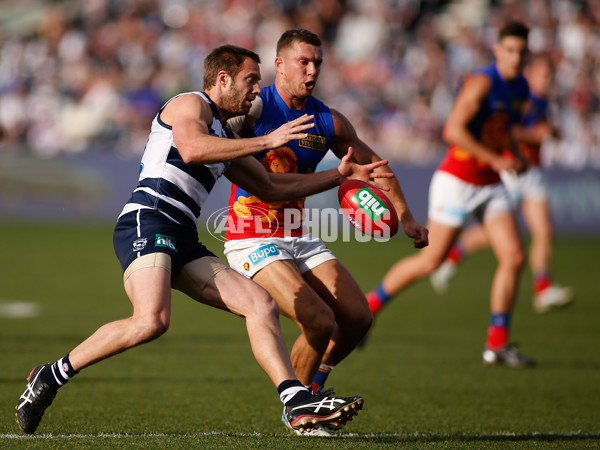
column 248, row 256
column 452, row 200
column 531, row 185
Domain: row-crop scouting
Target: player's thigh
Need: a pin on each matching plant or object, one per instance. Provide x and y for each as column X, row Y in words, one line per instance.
column 505, row 240
column 338, row 288
column 230, row 291
column 210, row 281
column 149, row 288
column 474, row 238
column 441, row 238
column 537, row 217
column 295, row 297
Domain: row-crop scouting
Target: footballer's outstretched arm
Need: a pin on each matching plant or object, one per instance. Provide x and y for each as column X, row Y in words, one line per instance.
column 346, row 138
column 190, row 117
column 473, row 93
column 250, row 175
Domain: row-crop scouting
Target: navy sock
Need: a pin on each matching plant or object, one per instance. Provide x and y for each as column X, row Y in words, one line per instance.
column 292, row 392
column 59, row 373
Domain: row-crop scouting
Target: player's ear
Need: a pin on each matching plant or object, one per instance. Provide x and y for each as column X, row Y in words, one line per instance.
column 223, row 78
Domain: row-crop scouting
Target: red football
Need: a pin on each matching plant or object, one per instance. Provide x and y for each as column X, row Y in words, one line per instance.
column 368, row 208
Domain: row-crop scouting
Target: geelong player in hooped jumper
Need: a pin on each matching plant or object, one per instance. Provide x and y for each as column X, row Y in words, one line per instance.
column 310, row 285
column 489, row 103
column 156, row 238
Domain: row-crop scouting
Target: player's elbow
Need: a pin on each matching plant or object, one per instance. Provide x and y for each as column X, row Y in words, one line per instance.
column 193, row 156
column 448, row 133
column 269, row 192
column 264, row 191
column 271, row 196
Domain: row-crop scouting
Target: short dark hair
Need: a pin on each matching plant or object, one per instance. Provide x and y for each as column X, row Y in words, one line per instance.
column 514, row 28
column 297, row 35
column 228, row 58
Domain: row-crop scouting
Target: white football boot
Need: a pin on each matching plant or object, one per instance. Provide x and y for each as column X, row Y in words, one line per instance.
column 440, row 277
column 551, row 298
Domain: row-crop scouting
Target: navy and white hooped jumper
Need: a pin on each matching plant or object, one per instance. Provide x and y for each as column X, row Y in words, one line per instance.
column 161, row 214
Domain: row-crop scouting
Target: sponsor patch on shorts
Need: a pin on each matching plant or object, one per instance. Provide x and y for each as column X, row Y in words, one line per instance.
column 262, row 253
column 165, row 241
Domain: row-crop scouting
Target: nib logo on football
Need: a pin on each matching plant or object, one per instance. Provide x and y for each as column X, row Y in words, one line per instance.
column 370, row 204
column 327, row 402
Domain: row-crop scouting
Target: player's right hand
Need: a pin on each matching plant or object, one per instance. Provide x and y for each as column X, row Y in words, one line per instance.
column 290, row 131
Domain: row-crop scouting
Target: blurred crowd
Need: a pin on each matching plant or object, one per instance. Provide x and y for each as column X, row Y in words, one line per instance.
column 89, row 75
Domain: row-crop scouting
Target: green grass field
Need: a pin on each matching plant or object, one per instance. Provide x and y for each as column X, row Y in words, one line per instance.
column 199, row 387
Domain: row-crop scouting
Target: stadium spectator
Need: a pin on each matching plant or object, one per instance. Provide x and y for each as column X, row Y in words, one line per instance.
column 310, row 285
column 467, row 182
column 414, row 56
column 529, row 191
column 156, row 239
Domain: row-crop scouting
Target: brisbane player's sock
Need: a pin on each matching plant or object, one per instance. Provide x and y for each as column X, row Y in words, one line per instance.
column 457, row 253
column 541, row 281
column 498, row 330
column 320, row 378
column 377, row 299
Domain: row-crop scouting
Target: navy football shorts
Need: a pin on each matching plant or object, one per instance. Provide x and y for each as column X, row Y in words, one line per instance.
column 147, row 231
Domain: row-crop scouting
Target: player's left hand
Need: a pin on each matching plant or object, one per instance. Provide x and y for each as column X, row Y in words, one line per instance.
column 349, row 170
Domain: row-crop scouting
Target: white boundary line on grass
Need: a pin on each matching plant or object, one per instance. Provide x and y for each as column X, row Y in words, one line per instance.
column 18, row 309
column 417, row 434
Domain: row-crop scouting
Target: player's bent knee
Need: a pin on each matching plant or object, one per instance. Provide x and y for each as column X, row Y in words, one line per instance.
column 430, row 265
column 148, row 330
column 515, row 260
column 365, row 322
column 320, row 326
column 270, row 307
column 261, row 303
column 358, row 324
column 519, row 260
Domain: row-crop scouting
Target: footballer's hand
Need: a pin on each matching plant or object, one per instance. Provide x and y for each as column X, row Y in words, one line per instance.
column 349, row 170
column 502, row 163
column 414, row 230
column 290, row 131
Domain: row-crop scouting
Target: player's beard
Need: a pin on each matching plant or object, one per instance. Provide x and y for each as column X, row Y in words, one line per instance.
column 234, row 101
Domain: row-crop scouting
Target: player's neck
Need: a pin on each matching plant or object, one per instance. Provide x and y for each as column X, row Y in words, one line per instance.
column 506, row 74
column 216, row 98
column 292, row 102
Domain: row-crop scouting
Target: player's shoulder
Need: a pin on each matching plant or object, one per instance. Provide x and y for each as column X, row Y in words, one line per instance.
column 189, row 100
column 476, row 83
column 189, row 97
column 187, row 104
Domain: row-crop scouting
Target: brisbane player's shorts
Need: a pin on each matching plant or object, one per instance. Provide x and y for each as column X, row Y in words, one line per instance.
column 452, row 200
column 248, row 256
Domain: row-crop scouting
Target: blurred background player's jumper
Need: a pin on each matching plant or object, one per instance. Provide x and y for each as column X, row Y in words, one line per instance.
column 529, row 191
